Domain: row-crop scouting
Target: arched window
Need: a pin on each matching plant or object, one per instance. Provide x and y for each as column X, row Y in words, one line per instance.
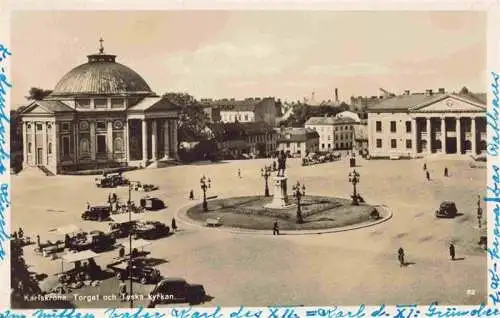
column 84, row 146
column 118, row 145
column 50, row 148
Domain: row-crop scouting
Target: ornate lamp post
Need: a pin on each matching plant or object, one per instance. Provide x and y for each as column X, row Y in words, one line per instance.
column 354, row 179
column 265, row 173
column 205, row 185
column 298, row 193
column 479, row 211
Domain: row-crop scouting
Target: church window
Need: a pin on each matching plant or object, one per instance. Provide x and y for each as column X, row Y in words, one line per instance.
column 100, row 103
column 65, row 127
column 39, row 127
column 117, row 103
column 82, row 103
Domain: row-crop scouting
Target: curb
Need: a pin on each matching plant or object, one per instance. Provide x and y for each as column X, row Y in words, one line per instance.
column 181, row 214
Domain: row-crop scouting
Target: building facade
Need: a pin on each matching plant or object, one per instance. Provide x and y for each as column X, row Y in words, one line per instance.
column 416, row 125
column 249, row 110
column 100, row 114
column 335, row 133
column 298, row 141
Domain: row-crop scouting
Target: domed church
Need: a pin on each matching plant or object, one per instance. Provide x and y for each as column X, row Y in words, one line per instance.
column 100, row 114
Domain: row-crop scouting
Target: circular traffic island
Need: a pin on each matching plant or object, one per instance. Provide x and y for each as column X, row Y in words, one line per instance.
column 318, row 213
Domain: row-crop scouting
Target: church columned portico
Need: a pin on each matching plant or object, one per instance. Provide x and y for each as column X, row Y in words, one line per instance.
column 448, row 134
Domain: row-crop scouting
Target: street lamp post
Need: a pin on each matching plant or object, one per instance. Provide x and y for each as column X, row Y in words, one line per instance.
column 129, row 204
column 354, row 179
column 298, row 193
column 479, row 211
column 205, row 185
column 265, row 173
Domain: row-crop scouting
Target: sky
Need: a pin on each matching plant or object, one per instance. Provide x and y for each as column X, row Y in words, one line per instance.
column 239, row 54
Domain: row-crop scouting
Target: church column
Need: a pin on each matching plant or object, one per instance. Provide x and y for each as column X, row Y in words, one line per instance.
column 174, row 137
column 443, row 134
column 109, row 139
column 92, row 139
column 44, row 144
column 126, row 140
column 76, row 138
column 473, row 135
column 25, row 144
column 55, row 146
column 459, row 136
column 166, row 138
column 154, row 140
column 144, row 140
column 414, row 136
column 429, row 137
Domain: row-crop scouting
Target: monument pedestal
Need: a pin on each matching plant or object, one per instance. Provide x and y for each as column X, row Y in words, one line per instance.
column 280, row 196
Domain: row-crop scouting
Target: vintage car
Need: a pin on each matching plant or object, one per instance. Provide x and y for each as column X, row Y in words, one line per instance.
column 144, row 187
column 121, row 230
column 152, row 204
column 140, row 272
column 111, row 180
column 96, row 241
column 447, row 209
column 97, row 213
column 150, row 230
column 176, row 290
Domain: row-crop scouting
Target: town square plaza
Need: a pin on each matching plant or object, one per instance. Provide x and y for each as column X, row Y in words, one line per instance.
column 259, row 269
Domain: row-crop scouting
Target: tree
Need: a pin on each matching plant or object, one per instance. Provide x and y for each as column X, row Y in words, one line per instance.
column 192, row 119
column 36, row 93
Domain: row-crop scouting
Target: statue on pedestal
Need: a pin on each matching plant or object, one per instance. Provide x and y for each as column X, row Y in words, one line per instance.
column 281, row 164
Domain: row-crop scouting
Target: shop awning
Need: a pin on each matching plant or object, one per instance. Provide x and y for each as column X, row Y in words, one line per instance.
column 80, row 256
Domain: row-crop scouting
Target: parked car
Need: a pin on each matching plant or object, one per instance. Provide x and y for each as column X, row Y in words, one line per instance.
column 121, row 230
column 140, row 272
column 97, row 213
column 96, row 241
column 447, row 209
column 176, row 290
column 111, row 180
column 144, row 187
column 152, row 204
column 150, row 230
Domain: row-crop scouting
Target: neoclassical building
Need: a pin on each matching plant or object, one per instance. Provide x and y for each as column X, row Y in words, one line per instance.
column 100, row 114
column 417, row 125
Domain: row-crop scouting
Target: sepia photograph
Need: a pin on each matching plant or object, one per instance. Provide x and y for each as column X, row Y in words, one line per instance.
column 256, row 158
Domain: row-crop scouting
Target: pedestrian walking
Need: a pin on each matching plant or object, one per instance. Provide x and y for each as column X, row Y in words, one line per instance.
column 115, row 198
column 38, row 240
column 425, row 166
column 445, row 171
column 88, row 206
column 401, row 257
column 239, row 173
column 191, row 195
column 109, row 198
column 452, row 251
column 428, row 175
column 174, row 225
column 67, row 239
column 276, row 229
column 20, row 233
column 123, row 291
column 121, row 252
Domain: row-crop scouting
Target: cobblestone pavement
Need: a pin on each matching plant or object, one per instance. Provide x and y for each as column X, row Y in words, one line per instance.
column 345, row 268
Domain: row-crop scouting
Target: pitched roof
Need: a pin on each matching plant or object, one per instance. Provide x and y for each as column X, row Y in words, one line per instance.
column 154, row 104
column 406, row 102
column 329, row 120
column 52, row 106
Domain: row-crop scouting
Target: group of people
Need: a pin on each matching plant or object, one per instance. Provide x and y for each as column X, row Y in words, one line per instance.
column 428, row 174
column 401, row 255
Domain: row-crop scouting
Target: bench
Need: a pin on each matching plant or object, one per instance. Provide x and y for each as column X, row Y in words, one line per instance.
column 214, row 222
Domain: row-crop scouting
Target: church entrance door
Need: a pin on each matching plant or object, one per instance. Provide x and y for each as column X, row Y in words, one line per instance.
column 39, row 157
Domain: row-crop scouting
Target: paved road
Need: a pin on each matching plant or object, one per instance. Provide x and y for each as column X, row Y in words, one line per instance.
column 340, row 268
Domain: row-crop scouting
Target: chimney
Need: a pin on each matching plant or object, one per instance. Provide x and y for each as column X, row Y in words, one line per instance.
column 441, row 91
column 407, row 92
column 336, row 95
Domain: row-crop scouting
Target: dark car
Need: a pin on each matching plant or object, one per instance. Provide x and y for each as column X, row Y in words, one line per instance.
column 96, row 241
column 150, row 230
column 447, row 209
column 97, row 213
column 120, row 230
column 152, row 204
column 176, row 290
column 140, row 272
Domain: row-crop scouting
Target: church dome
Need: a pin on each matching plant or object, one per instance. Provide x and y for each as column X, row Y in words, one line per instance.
column 101, row 75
